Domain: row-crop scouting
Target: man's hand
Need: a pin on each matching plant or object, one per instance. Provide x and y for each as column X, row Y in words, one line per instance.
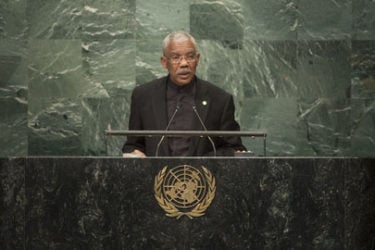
column 135, row 153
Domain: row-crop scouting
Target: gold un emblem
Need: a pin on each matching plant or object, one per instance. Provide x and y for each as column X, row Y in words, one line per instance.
column 184, row 190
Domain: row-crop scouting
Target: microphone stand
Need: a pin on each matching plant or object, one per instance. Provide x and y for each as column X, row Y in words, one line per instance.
column 204, row 127
column 168, row 125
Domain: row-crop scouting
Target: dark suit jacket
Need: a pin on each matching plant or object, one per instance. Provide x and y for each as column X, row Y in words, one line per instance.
column 149, row 112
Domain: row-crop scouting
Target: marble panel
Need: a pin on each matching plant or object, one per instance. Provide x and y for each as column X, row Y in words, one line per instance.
column 328, row 227
column 295, row 186
column 148, row 66
column 12, row 203
column 110, row 64
column 363, row 69
column 55, row 127
column 103, row 20
column 102, row 114
column 363, row 127
column 277, row 117
column 363, row 20
column 81, row 19
column 13, row 123
column 324, row 20
column 13, row 98
column 223, row 67
column 323, row 69
column 269, row 69
column 8, row 64
column 260, row 203
column 13, row 68
column 155, row 19
column 13, row 21
column 270, row 20
column 54, row 19
column 325, row 126
column 219, row 21
column 360, row 205
column 86, row 56
column 114, row 5
column 55, row 70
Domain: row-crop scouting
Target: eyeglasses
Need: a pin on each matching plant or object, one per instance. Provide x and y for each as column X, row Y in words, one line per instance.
column 176, row 59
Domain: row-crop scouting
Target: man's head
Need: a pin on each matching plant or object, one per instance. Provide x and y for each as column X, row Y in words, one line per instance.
column 180, row 57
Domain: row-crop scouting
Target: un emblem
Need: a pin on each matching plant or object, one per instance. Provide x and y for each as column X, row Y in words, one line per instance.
column 184, row 190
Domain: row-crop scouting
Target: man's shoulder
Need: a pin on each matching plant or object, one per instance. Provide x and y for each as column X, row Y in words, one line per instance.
column 212, row 88
column 156, row 83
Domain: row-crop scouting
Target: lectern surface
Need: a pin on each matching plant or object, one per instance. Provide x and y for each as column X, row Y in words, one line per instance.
column 253, row 203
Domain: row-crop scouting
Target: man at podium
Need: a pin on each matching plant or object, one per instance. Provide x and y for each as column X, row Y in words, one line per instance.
column 181, row 101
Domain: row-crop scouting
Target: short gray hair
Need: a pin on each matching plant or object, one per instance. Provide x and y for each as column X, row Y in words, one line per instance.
column 179, row 36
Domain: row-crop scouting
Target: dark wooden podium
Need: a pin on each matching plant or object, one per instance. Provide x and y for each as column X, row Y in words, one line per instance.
column 260, row 203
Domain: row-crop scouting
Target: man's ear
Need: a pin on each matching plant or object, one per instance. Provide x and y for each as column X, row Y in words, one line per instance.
column 198, row 56
column 163, row 61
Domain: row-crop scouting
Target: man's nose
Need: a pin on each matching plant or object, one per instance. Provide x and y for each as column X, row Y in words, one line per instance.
column 183, row 61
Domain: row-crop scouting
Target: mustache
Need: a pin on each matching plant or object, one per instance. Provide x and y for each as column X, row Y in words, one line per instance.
column 183, row 71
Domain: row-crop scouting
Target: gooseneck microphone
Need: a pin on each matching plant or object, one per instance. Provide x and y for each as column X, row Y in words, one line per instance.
column 168, row 125
column 209, row 138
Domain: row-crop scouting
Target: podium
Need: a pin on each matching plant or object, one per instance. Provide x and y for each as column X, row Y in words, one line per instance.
column 192, row 133
column 259, row 203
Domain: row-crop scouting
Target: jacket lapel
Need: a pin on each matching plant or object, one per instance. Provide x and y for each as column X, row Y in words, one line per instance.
column 202, row 104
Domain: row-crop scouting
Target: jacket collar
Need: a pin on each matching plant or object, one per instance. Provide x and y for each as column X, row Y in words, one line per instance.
column 202, row 105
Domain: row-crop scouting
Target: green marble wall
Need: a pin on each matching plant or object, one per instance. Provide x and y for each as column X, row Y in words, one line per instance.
column 301, row 70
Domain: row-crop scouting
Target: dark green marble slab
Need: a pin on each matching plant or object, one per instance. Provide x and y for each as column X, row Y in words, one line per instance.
column 324, row 69
column 157, row 19
column 13, row 122
column 270, row 20
column 363, row 127
column 301, row 70
column 13, row 20
column 12, row 203
column 217, row 21
column 55, row 127
column 112, row 112
column 110, row 65
column 55, row 70
column 268, row 69
column 363, row 69
column 13, row 66
column 260, row 203
column 363, row 20
column 325, row 20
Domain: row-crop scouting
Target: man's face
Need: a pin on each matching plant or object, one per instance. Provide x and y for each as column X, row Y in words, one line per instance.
column 181, row 61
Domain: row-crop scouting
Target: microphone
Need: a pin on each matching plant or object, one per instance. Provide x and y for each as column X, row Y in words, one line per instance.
column 209, row 138
column 168, row 125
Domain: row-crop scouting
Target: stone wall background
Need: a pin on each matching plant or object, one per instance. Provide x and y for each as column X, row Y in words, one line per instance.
column 301, row 70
